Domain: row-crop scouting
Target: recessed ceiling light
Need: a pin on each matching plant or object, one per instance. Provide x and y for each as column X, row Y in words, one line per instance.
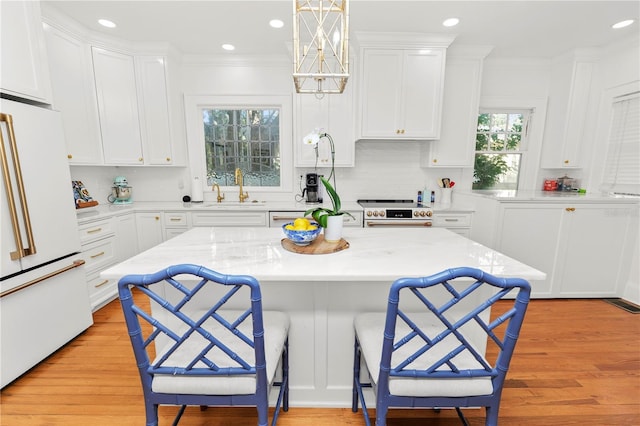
column 451, row 22
column 228, row 47
column 106, row 23
column 276, row 23
column 622, row 24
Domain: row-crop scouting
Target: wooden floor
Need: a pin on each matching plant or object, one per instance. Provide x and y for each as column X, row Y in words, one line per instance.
column 577, row 362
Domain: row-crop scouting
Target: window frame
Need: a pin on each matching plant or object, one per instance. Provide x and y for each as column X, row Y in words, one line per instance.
column 529, row 164
column 194, row 104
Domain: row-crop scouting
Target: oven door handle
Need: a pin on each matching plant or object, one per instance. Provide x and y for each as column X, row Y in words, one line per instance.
column 399, row 224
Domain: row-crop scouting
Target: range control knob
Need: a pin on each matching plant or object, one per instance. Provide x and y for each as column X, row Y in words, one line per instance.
column 369, row 213
column 415, row 213
column 429, row 213
column 382, row 213
column 423, row 213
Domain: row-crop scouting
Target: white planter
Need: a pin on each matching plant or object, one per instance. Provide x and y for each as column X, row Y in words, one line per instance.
column 333, row 231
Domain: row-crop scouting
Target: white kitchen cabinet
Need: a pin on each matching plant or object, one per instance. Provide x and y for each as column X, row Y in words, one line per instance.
column 154, row 112
column 126, row 236
column 332, row 115
column 23, row 55
column 175, row 223
column 456, row 145
column 583, row 248
column 229, row 218
column 401, row 87
column 572, row 102
column 74, row 95
column 99, row 251
column 116, row 91
column 458, row 222
column 150, row 229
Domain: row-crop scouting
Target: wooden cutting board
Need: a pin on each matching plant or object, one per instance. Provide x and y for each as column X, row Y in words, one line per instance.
column 318, row 246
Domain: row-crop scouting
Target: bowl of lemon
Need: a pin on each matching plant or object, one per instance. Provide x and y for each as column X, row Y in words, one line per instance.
column 301, row 231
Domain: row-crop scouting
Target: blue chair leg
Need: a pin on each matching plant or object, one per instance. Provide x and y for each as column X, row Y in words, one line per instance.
column 491, row 416
column 381, row 414
column 356, row 376
column 151, row 414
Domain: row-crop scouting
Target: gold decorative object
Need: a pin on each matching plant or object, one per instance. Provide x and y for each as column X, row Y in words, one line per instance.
column 320, row 46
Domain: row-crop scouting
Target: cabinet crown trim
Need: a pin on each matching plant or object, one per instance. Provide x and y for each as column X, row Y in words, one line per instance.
column 402, row 40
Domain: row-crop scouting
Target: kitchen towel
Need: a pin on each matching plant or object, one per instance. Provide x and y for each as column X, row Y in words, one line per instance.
column 197, row 195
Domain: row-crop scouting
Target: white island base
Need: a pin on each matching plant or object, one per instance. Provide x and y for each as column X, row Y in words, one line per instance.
column 323, row 293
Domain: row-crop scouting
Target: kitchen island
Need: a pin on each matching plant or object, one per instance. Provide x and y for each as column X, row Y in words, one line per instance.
column 322, row 293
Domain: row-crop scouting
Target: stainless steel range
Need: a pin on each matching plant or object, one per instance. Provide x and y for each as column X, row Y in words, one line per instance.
column 395, row 213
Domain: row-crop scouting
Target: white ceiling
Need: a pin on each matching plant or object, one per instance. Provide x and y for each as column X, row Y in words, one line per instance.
column 534, row 28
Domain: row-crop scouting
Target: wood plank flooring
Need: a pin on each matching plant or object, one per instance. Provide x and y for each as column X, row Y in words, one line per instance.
column 577, row 362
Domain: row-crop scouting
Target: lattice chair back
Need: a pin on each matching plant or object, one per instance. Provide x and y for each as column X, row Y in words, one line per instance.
column 445, row 342
column 199, row 338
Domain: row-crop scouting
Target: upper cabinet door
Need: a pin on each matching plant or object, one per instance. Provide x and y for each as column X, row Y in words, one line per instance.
column 118, row 107
column 456, row 145
column 572, row 85
column 332, row 114
column 24, row 71
column 154, row 114
column 74, row 95
column 380, row 95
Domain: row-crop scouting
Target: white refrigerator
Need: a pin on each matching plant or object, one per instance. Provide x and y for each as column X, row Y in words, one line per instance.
column 44, row 301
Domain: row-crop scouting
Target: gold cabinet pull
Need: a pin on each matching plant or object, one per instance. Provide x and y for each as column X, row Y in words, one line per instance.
column 93, row 231
column 570, row 209
column 101, row 284
column 97, row 255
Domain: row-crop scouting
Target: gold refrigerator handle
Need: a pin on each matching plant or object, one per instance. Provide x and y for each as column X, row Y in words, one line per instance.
column 74, row 264
column 31, row 248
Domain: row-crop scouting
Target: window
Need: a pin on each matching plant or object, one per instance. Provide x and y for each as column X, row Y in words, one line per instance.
column 500, row 145
column 248, row 139
column 246, row 132
column 622, row 168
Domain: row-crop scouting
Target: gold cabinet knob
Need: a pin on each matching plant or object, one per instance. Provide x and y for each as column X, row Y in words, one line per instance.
column 140, row 159
column 69, row 156
column 566, row 161
column 435, row 160
column 168, row 158
column 157, row 217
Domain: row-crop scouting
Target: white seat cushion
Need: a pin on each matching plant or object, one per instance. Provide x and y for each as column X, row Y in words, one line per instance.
column 276, row 327
column 369, row 328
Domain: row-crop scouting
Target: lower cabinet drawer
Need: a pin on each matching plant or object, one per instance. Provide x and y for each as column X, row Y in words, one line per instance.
column 452, row 220
column 98, row 254
column 101, row 290
column 231, row 218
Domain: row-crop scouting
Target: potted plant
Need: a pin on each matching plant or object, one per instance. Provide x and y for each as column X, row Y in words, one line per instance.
column 330, row 218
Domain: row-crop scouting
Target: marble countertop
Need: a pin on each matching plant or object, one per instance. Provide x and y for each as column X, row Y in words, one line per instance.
column 373, row 255
column 552, row 196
